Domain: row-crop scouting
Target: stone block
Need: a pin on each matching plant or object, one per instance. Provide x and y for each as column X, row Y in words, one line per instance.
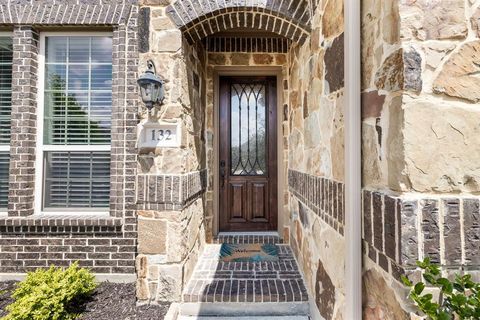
column 334, row 65
column 445, row 159
column 475, row 21
column 412, row 73
column 162, row 23
column 143, row 292
column 240, row 59
column 217, row 59
column 458, row 77
column 436, row 51
column 152, row 236
column 471, row 225
column 263, row 58
column 380, row 299
column 434, row 20
column 389, row 76
column 144, row 29
column 390, row 227
column 167, row 40
column 332, row 21
column 141, row 264
column 372, row 173
column 431, row 230
column 169, row 283
column 451, row 232
column 324, row 292
column 367, row 216
column 184, row 233
column 372, row 104
column 408, row 233
column 377, row 210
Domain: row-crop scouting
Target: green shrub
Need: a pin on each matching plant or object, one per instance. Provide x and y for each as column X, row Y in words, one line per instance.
column 51, row 294
column 459, row 299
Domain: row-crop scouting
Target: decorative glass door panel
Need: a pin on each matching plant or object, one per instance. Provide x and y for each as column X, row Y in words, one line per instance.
column 248, row 153
column 248, row 129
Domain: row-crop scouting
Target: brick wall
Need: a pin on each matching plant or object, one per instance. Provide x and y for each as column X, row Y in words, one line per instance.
column 290, row 19
column 246, row 44
column 398, row 231
column 24, row 106
column 323, row 196
column 106, row 244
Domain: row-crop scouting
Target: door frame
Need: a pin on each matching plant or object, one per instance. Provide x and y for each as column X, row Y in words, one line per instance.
column 281, row 179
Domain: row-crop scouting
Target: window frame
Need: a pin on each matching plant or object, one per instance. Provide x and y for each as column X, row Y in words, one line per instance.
column 6, row 147
column 41, row 148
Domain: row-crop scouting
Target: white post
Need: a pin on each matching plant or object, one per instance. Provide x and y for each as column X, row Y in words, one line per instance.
column 353, row 167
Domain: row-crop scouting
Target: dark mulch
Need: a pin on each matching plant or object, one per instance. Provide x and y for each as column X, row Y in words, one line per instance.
column 111, row 301
column 6, row 289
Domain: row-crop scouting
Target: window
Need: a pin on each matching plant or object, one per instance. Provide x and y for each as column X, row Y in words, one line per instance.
column 6, row 57
column 77, row 109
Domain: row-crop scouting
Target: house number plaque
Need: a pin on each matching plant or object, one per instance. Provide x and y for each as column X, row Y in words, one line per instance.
column 158, row 135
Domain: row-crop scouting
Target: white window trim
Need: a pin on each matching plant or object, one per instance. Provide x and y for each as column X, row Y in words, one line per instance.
column 5, row 147
column 40, row 148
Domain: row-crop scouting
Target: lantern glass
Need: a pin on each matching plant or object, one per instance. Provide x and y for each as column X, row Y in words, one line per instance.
column 151, row 87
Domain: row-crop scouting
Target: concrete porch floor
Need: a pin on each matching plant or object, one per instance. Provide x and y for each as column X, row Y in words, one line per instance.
column 246, row 289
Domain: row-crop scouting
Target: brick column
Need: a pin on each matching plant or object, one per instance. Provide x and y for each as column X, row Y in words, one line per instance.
column 24, row 106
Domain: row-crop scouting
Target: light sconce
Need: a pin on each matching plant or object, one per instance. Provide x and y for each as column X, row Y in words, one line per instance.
column 151, row 86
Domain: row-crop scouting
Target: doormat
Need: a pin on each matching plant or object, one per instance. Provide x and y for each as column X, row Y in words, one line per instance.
column 252, row 252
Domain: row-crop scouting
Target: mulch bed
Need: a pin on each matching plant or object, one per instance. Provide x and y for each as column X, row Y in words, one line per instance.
column 111, row 301
column 6, row 289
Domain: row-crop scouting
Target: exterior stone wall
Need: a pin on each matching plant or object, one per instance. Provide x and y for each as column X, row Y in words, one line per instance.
column 316, row 158
column 172, row 180
column 106, row 244
column 419, row 143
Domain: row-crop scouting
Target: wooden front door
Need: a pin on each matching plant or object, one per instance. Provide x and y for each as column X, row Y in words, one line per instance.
column 248, row 154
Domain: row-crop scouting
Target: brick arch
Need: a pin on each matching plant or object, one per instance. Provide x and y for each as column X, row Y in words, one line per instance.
column 201, row 18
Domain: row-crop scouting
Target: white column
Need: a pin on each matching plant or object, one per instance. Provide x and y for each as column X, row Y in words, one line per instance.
column 353, row 173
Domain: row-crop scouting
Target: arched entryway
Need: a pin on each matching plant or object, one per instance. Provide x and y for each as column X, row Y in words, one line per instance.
column 296, row 49
column 199, row 19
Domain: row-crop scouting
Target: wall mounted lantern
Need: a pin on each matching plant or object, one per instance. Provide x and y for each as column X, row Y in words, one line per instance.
column 151, row 86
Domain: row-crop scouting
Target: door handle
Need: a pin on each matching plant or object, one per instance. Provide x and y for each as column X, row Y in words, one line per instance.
column 222, row 173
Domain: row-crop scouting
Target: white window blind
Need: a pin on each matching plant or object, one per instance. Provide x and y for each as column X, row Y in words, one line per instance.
column 6, row 57
column 77, row 122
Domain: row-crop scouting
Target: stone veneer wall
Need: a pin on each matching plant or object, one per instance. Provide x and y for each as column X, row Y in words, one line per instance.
column 29, row 240
column 316, row 158
column 420, row 144
column 172, row 181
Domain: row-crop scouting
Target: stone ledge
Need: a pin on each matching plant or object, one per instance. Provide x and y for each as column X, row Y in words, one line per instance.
column 324, row 196
column 170, row 192
column 51, row 220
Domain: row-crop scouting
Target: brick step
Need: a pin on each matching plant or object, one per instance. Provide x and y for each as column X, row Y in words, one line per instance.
column 244, row 318
column 239, row 310
column 252, row 237
column 245, row 290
